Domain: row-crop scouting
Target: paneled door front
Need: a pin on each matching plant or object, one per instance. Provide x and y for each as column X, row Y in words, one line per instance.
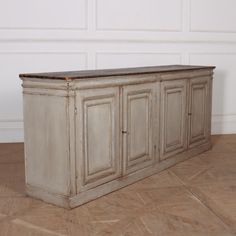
column 138, row 126
column 98, row 134
column 199, row 111
column 173, row 117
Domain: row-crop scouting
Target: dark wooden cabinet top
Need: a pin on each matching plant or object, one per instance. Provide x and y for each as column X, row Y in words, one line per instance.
column 83, row 74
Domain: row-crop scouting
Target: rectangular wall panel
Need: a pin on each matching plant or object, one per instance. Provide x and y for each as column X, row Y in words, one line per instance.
column 116, row 60
column 16, row 63
column 213, row 15
column 160, row 15
column 43, row 14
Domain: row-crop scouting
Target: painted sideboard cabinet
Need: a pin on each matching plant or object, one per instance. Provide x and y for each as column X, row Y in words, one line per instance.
column 88, row 133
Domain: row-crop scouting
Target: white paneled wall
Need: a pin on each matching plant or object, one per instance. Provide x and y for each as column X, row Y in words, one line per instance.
column 154, row 15
column 213, row 16
column 43, row 14
column 53, row 35
column 111, row 60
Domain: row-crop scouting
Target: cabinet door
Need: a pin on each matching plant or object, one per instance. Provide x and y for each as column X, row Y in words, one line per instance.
column 199, row 111
column 138, row 126
column 98, row 157
column 173, row 117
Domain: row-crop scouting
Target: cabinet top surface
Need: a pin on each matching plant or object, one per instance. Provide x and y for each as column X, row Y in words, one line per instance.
column 83, row 74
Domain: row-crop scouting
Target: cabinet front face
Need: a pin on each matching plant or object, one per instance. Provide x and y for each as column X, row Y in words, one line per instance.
column 173, row 117
column 138, row 126
column 199, row 105
column 97, row 147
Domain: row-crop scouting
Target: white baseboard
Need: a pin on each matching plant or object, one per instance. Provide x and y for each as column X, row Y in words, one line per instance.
column 224, row 124
column 12, row 131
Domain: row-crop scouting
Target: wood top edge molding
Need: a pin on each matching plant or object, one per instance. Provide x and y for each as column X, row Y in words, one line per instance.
column 83, row 74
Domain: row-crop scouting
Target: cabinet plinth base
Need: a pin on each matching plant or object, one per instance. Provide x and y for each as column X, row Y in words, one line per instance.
column 89, row 195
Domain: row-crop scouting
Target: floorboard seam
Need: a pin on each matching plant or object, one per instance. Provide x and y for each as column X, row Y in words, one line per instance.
column 21, row 213
column 200, row 200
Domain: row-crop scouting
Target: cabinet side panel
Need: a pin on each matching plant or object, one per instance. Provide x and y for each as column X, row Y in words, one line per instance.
column 46, row 142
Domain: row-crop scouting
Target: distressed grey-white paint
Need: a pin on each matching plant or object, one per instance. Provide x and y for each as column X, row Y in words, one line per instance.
column 139, row 106
column 173, row 117
column 86, row 138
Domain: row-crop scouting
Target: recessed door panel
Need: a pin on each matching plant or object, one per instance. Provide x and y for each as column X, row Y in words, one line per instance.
column 98, row 123
column 173, row 117
column 138, row 126
column 199, row 120
column 98, row 129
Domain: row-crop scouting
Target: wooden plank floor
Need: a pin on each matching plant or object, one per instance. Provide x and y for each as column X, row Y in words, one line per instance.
column 195, row 197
